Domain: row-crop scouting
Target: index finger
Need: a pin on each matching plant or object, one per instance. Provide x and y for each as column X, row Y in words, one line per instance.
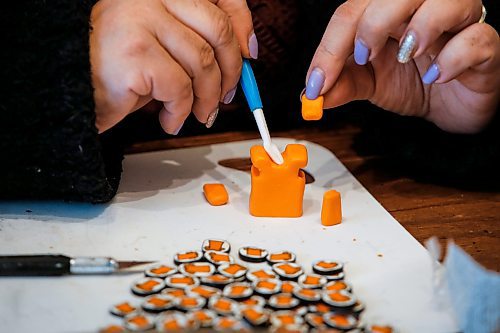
column 335, row 47
column 241, row 20
column 211, row 23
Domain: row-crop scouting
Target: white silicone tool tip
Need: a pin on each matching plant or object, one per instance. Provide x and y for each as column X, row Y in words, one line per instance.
column 273, row 152
column 271, row 149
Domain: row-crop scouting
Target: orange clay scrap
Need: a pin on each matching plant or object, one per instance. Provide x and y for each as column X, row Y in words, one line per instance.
column 312, row 109
column 278, row 190
column 331, row 210
column 216, row 194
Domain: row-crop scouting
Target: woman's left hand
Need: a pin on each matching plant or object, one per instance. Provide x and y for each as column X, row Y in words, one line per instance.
column 422, row 58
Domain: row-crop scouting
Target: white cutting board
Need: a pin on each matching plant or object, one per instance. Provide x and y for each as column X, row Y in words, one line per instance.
column 160, row 209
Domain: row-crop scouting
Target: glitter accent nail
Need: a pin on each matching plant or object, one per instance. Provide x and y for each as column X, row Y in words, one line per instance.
column 211, row 118
column 407, row 48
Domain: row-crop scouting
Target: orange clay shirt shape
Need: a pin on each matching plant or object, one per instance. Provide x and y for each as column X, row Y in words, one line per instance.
column 312, row 109
column 215, row 194
column 331, row 211
column 278, row 190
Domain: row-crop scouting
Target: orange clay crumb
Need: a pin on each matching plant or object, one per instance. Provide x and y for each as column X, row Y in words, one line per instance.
column 238, row 290
column 311, row 280
column 112, row 329
column 200, row 290
column 223, row 305
column 308, row 292
column 283, row 299
column 312, row 109
column 287, row 319
column 340, row 320
column 281, row 256
column 337, row 286
column 219, row 257
column 261, row 274
column 176, row 293
column 322, row 308
column 331, row 211
column 278, row 190
column 250, row 302
column 161, row 270
column 217, row 278
column 381, row 329
column 139, row 321
column 287, row 288
column 266, row 284
column 233, row 269
column 318, row 320
column 189, row 301
column 188, row 255
column 288, row 269
column 191, row 268
column 201, row 315
column 182, row 280
column 252, row 314
column 171, row 325
column 158, row 301
column 148, row 285
column 339, row 297
column 327, row 265
column 216, row 194
column 225, row 322
column 254, row 252
column 125, row 307
column 214, row 245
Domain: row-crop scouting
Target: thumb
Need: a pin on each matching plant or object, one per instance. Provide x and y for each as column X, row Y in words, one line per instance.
column 241, row 21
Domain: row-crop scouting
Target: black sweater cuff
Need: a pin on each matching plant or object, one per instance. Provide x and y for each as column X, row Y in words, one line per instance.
column 49, row 144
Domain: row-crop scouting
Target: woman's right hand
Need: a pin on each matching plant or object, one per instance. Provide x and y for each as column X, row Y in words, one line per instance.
column 184, row 53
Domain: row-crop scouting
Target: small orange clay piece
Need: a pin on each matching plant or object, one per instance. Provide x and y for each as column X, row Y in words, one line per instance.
column 338, row 297
column 331, row 211
column 278, row 190
column 311, row 280
column 112, row 329
column 381, row 329
column 281, row 256
column 148, row 285
column 216, row 194
column 312, row 109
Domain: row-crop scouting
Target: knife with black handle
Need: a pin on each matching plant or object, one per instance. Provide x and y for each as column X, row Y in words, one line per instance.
column 56, row 265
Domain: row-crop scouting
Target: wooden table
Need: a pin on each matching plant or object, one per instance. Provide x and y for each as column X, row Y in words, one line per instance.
column 471, row 219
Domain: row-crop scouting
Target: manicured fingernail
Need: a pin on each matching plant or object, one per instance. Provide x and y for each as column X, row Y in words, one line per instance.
column 253, row 46
column 361, row 52
column 178, row 130
column 431, row 75
column 407, row 48
column 211, row 118
column 315, row 83
column 229, row 96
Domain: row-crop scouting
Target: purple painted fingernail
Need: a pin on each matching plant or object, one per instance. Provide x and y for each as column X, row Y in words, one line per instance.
column 178, row 129
column 253, row 46
column 315, row 83
column 361, row 52
column 229, row 96
column 431, row 75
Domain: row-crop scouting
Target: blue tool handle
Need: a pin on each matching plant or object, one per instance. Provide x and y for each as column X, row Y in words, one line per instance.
column 249, row 86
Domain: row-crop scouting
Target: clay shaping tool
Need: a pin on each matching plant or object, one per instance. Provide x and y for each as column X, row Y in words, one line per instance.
column 251, row 90
column 53, row 265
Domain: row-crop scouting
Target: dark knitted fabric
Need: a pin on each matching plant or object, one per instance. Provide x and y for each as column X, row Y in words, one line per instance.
column 49, row 145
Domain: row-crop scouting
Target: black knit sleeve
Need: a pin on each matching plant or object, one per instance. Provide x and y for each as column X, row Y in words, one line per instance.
column 49, row 145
